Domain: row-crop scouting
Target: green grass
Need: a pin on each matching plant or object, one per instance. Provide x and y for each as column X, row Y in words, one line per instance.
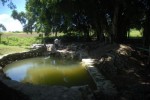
column 20, row 39
column 135, row 33
column 23, row 39
column 11, row 49
column 17, row 42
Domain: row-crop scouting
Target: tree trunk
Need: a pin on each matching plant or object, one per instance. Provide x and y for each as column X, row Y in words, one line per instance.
column 97, row 35
column 0, row 38
column 114, row 24
column 56, row 34
column 146, row 35
column 86, row 34
column 149, row 56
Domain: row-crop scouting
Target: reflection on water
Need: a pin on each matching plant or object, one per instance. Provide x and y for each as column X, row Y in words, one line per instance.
column 48, row 71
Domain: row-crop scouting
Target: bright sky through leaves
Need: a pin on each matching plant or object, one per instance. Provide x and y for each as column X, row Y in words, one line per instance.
column 5, row 15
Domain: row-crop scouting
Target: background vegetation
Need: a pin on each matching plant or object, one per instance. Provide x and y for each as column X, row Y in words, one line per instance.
column 99, row 20
column 12, row 42
column 19, row 39
column 106, row 19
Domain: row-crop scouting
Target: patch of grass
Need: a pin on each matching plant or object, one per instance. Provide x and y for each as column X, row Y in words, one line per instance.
column 58, row 34
column 21, row 34
column 16, row 41
column 20, row 39
column 12, row 49
column 135, row 33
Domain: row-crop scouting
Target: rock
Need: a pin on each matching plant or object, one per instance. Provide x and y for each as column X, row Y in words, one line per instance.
column 53, row 49
column 81, row 54
column 107, row 66
column 19, row 56
column 36, row 46
column 7, row 93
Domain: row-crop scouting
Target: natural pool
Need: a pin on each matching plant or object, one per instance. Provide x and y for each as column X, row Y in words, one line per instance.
column 48, row 71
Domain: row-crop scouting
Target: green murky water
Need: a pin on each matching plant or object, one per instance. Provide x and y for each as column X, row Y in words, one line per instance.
column 48, row 71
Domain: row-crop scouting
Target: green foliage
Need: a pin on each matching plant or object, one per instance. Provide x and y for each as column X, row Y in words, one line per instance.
column 9, row 3
column 19, row 16
column 17, row 41
column 2, row 28
column 115, row 17
column 135, row 33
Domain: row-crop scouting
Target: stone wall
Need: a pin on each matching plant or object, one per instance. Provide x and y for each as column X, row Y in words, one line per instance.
column 19, row 56
column 103, row 85
column 71, row 52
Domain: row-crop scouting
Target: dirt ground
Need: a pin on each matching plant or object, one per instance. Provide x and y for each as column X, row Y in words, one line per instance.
column 131, row 76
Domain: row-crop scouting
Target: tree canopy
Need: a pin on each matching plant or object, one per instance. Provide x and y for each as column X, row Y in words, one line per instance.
column 111, row 18
column 9, row 3
column 2, row 28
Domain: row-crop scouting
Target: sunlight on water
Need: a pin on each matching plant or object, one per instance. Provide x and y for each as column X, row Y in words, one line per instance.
column 47, row 71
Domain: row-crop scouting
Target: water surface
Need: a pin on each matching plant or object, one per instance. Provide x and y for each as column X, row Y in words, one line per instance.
column 48, row 71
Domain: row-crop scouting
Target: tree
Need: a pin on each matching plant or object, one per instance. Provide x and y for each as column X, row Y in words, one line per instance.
column 43, row 14
column 2, row 28
column 146, row 23
column 10, row 3
column 114, row 17
column 22, row 17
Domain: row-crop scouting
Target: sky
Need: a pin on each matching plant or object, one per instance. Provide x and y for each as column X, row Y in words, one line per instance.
column 5, row 15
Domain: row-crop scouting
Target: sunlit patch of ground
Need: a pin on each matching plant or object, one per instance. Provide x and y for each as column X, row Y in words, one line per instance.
column 11, row 49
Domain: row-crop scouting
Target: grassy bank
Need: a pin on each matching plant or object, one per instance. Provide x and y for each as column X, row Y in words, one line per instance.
column 11, row 49
column 17, row 42
column 19, row 39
